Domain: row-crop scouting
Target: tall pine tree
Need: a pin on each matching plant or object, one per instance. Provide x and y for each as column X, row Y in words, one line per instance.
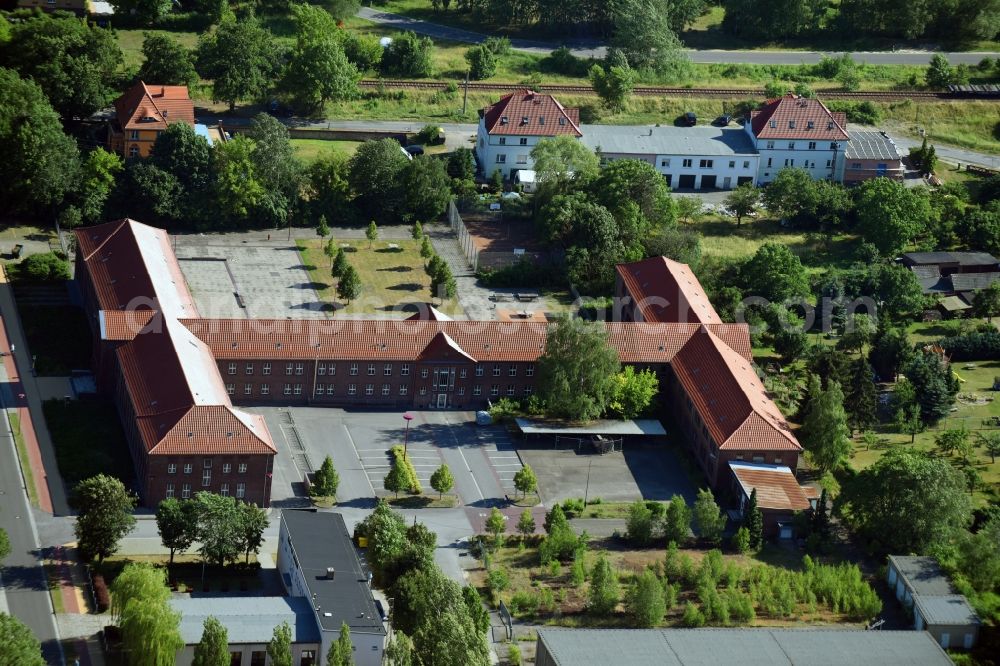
column 862, row 402
column 753, row 520
column 825, row 432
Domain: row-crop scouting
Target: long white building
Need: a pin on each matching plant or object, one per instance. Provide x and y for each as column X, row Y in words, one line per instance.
column 786, row 132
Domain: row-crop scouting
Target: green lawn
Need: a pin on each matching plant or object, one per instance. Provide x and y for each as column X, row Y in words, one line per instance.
column 88, row 439
column 22, row 456
column 59, row 338
column 976, row 402
column 310, row 150
column 722, row 238
column 390, row 277
column 130, row 42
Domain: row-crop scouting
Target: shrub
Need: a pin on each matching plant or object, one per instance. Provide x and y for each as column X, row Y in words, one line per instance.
column 482, row 62
column 102, row 598
column 514, row 654
column 44, row 267
column 523, row 603
column 973, row 346
column 497, row 580
column 640, row 523
column 573, row 507
column 505, row 409
column 692, row 617
column 741, row 540
column 412, row 483
column 498, row 46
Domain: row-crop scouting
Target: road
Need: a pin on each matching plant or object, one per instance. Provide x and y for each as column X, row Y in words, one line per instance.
column 22, row 579
column 593, row 48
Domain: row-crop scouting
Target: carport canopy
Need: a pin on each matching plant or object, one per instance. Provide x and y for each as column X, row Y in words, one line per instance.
column 632, row 427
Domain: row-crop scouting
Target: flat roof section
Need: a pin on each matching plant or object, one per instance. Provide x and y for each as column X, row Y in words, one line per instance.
column 320, row 540
column 948, row 609
column 923, row 574
column 756, row 646
column 246, row 619
column 640, row 427
column 668, row 140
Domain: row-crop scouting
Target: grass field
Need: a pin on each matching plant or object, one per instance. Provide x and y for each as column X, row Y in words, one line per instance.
column 310, row 150
column 390, row 277
column 22, row 456
column 976, row 402
column 88, row 439
column 130, row 42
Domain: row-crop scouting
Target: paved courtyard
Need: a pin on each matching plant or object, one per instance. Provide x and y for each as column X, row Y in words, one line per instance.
column 247, row 280
column 651, row 472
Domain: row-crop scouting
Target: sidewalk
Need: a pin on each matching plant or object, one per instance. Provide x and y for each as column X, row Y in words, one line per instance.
column 26, row 404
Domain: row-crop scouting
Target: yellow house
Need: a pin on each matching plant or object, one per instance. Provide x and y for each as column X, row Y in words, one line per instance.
column 143, row 112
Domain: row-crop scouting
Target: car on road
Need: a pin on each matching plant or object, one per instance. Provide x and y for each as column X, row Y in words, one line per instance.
column 723, row 120
column 415, row 150
column 690, row 119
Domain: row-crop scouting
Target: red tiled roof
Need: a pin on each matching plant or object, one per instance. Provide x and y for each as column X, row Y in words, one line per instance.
column 776, row 486
column 389, row 340
column 528, row 113
column 729, row 397
column 210, row 430
column 121, row 325
column 789, row 117
column 427, row 312
column 667, row 291
column 133, row 267
column 153, row 107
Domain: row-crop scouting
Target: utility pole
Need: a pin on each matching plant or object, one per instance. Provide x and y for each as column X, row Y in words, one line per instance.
column 465, row 97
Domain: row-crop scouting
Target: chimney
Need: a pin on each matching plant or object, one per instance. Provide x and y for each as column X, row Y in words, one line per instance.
column 330, row 571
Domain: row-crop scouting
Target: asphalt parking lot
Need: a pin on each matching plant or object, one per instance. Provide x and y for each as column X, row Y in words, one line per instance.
column 483, row 460
column 641, row 471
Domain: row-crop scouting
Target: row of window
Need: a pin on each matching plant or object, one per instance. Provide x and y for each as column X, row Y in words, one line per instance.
column 702, row 164
column 811, row 144
column 523, row 141
column 790, row 162
column 352, row 389
column 241, row 490
column 207, row 466
column 330, row 369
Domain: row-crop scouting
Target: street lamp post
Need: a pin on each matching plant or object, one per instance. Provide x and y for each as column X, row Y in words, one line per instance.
column 406, row 433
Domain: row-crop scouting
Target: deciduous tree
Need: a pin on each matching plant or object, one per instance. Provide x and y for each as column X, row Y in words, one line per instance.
column 482, row 62
column 427, row 187
column 20, row 646
column 707, row 519
column 279, row 648
column 743, row 201
column 825, row 433
column 891, row 215
column 576, row 370
column 240, row 57
column 47, row 161
column 408, row 56
column 604, row 592
column 213, row 648
column 318, row 70
column 219, row 527
column 644, row 600
column 633, row 392
column 677, row 520
column 775, row 273
column 613, row 84
column 177, row 523
column 166, row 62
column 640, row 523
column 442, row 480
column 341, row 652
column 525, row 480
column 526, row 524
column 496, row 523
column 326, row 480
column 349, row 284
column 104, row 515
column 253, row 521
column 907, row 502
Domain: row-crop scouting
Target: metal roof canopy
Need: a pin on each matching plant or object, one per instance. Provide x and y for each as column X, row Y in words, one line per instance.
column 638, row 427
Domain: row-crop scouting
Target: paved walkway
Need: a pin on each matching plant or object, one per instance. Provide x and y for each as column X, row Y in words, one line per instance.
column 592, row 48
column 473, row 297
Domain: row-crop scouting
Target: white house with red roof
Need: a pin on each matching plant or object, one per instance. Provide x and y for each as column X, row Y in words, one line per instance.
column 797, row 132
column 509, row 129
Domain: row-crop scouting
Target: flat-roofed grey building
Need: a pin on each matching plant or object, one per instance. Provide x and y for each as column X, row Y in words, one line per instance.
column 744, row 646
column 921, row 586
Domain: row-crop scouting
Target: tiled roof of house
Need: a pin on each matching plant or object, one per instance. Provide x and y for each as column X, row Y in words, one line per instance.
column 152, row 107
column 393, row 340
column 133, row 267
column 427, row 312
column 776, row 486
column 729, row 397
column 123, row 325
column 667, row 291
column 794, row 117
column 528, row 113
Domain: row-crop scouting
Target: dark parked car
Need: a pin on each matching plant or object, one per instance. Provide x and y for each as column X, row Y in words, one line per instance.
column 690, row 119
column 415, row 150
column 722, row 121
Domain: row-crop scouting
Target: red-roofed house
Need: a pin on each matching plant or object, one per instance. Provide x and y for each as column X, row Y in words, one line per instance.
column 509, row 129
column 797, row 132
column 779, row 495
column 143, row 112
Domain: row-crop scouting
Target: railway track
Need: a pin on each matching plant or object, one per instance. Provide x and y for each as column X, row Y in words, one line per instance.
column 657, row 91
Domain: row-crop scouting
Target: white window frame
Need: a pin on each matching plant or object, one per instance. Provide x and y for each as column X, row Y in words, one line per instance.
column 248, row 389
column 403, row 389
column 477, row 390
column 242, row 469
column 369, row 389
column 387, row 370
column 206, row 478
column 386, row 389
column 172, row 468
column 404, row 370
column 170, row 490
column 287, row 390
column 354, row 369
column 297, row 389
column 289, row 368
column 226, row 468
column 266, row 369
column 495, row 390
column 321, row 369
column 241, row 490
column 299, row 368
column 249, row 368
column 232, row 369
column 224, row 490
column 188, row 467
column 265, row 389
column 352, row 389
column 186, row 491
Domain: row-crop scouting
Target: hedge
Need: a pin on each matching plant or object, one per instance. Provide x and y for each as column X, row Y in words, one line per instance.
column 979, row 346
